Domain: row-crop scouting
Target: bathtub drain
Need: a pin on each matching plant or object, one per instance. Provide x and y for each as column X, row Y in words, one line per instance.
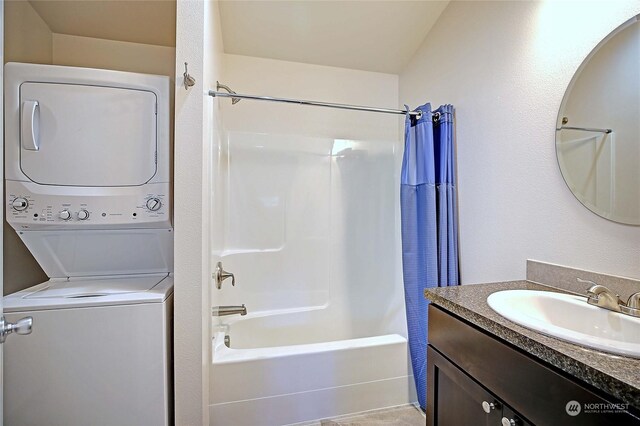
column 227, row 341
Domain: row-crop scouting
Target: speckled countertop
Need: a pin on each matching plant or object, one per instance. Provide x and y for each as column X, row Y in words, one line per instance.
column 616, row 375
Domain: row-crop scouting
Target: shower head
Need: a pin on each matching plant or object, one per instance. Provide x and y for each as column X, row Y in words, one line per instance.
column 225, row 87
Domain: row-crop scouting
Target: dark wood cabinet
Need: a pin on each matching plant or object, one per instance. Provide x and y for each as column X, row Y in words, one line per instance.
column 468, row 367
column 459, row 400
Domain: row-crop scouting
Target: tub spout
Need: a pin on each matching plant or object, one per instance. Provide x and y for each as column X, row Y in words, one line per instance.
column 218, row 311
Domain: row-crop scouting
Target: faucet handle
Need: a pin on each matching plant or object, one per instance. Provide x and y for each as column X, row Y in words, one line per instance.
column 591, row 283
column 602, row 296
column 595, row 289
column 634, row 301
column 220, row 275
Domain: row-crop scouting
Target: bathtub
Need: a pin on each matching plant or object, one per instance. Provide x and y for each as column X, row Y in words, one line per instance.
column 310, row 227
column 291, row 374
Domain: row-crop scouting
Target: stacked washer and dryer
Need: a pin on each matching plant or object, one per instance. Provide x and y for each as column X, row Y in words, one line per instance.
column 88, row 192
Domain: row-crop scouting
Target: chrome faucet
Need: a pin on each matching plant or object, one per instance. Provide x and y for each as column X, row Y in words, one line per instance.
column 220, row 275
column 632, row 307
column 599, row 295
column 219, row 311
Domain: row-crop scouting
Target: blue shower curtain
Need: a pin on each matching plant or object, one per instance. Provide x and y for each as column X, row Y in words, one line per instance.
column 429, row 224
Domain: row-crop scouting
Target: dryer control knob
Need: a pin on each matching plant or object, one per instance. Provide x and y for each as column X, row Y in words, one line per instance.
column 83, row 215
column 65, row 215
column 19, row 204
column 154, row 204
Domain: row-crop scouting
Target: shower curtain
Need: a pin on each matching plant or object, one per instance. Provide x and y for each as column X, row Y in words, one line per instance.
column 429, row 224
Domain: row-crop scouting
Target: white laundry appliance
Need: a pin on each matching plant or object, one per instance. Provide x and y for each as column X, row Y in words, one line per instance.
column 88, row 192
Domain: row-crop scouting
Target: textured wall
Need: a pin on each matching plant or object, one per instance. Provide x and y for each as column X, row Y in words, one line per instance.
column 27, row 36
column 198, row 42
column 269, row 77
column 188, row 266
column 505, row 66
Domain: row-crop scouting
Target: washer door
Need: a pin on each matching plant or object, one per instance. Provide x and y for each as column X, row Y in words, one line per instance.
column 81, row 135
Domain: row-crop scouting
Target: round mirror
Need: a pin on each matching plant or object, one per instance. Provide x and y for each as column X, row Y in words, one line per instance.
column 598, row 128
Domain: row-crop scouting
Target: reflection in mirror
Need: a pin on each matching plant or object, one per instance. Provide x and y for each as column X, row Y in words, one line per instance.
column 598, row 128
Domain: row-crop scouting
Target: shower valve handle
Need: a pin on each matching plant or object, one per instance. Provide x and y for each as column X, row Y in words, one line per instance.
column 220, row 275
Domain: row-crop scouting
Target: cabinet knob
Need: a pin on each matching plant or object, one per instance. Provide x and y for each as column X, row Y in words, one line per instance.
column 489, row 406
column 508, row 422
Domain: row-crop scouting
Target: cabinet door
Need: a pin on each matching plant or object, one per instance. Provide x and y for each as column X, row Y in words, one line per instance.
column 455, row 399
column 539, row 392
column 510, row 418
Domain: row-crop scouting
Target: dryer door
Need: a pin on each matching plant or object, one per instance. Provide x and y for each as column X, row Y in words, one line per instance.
column 80, row 135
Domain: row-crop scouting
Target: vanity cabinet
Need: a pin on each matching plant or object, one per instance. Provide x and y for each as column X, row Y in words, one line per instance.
column 459, row 400
column 476, row 379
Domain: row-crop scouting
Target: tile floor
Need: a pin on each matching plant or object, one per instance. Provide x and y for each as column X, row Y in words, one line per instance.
column 405, row 415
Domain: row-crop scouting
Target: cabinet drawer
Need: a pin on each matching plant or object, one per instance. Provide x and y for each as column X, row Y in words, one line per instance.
column 529, row 387
column 457, row 399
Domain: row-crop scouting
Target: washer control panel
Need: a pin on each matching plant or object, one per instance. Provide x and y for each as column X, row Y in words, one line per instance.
column 30, row 207
column 83, row 214
column 154, row 204
column 20, row 204
column 64, row 215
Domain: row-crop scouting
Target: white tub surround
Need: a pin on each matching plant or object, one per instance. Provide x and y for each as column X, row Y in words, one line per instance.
column 289, row 384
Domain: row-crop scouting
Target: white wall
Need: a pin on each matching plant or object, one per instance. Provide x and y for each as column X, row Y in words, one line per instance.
column 198, row 42
column 505, row 66
column 269, row 77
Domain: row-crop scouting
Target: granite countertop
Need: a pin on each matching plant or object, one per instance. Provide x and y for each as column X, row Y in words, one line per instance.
column 616, row 375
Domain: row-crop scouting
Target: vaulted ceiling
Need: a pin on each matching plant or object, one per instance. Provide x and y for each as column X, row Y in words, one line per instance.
column 368, row 35
column 149, row 22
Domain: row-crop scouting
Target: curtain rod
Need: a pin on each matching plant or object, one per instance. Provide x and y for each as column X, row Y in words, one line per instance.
column 236, row 97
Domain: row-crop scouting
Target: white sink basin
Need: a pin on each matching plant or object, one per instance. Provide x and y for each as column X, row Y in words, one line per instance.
column 570, row 318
